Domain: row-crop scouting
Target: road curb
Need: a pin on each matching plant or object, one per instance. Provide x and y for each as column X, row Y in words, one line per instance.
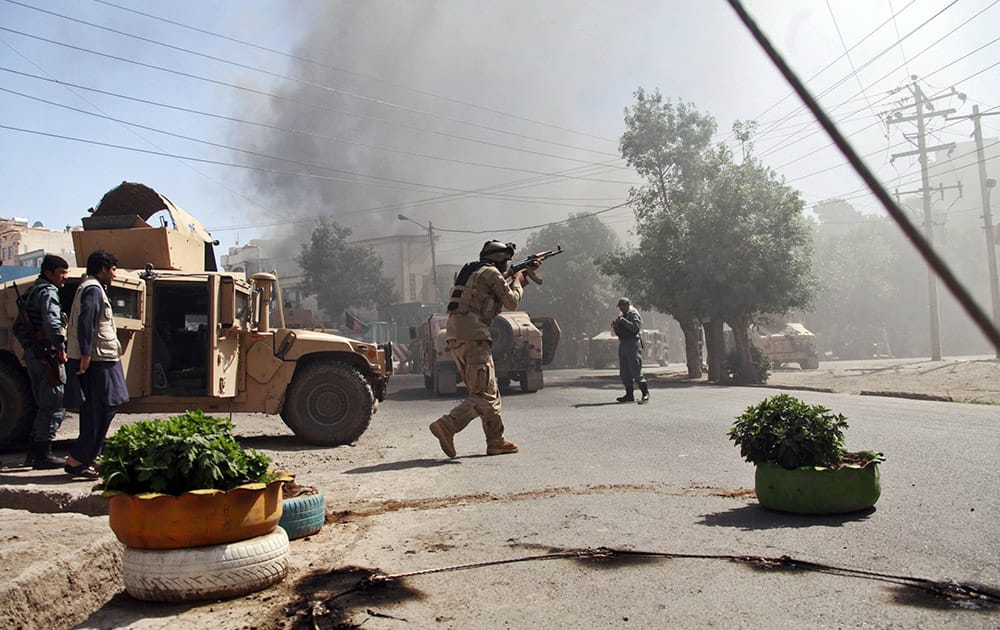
column 59, row 559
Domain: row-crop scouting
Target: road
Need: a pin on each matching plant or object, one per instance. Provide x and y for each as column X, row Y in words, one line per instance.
column 593, row 473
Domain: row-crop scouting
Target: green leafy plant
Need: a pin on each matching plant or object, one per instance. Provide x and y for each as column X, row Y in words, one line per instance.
column 786, row 431
column 186, row 452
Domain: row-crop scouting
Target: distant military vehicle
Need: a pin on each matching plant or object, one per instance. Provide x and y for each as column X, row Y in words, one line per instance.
column 197, row 338
column 791, row 343
column 603, row 352
column 521, row 346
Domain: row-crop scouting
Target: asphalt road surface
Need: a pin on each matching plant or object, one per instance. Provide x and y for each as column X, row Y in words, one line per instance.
column 661, row 478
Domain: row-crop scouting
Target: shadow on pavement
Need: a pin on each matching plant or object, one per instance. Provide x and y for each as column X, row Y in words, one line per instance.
column 753, row 517
column 402, row 465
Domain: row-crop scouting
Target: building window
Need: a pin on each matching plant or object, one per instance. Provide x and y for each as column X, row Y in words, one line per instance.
column 413, row 287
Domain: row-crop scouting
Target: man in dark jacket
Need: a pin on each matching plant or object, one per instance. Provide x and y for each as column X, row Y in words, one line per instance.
column 628, row 326
column 41, row 302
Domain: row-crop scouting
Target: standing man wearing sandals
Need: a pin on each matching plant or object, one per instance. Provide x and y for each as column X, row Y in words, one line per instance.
column 96, row 380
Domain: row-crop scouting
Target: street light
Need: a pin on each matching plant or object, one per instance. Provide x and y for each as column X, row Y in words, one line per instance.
column 430, row 234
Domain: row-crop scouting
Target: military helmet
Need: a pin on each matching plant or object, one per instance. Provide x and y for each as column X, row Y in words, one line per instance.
column 495, row 250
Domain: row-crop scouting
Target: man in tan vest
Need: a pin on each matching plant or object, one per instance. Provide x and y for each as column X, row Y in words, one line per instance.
column 95, row 380
column 481, row 291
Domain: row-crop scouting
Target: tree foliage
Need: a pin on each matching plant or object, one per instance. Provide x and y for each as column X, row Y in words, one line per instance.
column 873, row 288
column 719, row 241
column 575, row 291
column 342, row 275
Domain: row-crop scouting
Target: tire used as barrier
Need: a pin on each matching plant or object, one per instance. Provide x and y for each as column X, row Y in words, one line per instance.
column 210, row 572
column 303, row 515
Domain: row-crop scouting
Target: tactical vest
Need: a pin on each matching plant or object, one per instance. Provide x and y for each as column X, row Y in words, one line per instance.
column 472, row 295
column 106, row 345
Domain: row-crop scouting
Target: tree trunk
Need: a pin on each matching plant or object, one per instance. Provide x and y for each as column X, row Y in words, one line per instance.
column 692, row 345
column 715, row 345
column 741, row 339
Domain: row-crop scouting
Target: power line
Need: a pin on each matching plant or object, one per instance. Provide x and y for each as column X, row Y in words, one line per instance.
column 388, row 181
column 354, row 73
column 281, row 129
column 371, row 100
column 305, row 104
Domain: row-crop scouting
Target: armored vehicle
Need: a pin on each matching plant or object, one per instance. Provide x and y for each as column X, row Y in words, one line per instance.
column 197, row 338
column 521, row 346
column 792, row 343
column 603, row 351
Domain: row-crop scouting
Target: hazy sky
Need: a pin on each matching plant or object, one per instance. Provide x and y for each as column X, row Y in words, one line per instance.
column 259, row 115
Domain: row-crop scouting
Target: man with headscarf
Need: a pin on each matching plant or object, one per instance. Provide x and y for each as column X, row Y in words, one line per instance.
column 481, row 291
column 628, row 326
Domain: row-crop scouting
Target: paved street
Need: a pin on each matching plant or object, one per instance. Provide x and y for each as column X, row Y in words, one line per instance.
column 660, row 478
column 593, row 473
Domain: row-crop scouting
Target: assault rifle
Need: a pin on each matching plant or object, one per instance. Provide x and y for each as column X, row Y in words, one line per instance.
column 527, row 267
column 38, row 341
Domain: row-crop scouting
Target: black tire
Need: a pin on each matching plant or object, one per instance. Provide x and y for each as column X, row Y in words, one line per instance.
column 328, row 403
column 17, row 407
column 428, row 383
column 502, row 335
column 532, row 381
column 303, row 516
column 209, row 572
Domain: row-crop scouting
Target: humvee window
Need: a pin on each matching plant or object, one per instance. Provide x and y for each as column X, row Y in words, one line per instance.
column 124, row 302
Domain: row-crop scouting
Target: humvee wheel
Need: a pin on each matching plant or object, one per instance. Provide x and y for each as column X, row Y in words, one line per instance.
column 328, row 403
column 17, row 407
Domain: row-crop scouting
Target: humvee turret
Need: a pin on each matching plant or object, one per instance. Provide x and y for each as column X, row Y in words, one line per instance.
column 194, row 337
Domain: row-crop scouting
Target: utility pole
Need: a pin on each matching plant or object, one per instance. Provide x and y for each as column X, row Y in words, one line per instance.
column 923, row 103
column 434, row 264
column 986, row 185
column 436, row 293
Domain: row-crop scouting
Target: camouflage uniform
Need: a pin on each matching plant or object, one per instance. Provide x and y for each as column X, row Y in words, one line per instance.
column 474, row 305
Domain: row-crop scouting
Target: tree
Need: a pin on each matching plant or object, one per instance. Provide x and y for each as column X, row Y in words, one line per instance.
column 342, row 275
column 575, row 290
column 665, row 143
column 762, row 263
column 719, row 241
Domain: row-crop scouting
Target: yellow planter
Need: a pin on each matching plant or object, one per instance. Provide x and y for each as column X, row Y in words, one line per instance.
column 195, row 518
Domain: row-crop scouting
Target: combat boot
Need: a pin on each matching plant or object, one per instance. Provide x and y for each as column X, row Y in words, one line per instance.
column 501, row 448
column 645, row 393
column 43, row 457
column 444, row 435
column 628, row 397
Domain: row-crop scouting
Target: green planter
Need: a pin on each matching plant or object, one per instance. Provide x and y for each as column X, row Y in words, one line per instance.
column 818, row 490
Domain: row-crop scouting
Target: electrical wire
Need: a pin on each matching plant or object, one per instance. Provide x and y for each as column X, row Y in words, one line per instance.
column 923, row 247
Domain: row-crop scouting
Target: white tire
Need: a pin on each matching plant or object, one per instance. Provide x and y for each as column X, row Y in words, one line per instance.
column 210, row 572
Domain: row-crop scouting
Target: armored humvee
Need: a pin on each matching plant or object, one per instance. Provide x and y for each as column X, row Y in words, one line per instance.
column 521, row 346
column 792, row 343
column 194, row 337
column 603, row 351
